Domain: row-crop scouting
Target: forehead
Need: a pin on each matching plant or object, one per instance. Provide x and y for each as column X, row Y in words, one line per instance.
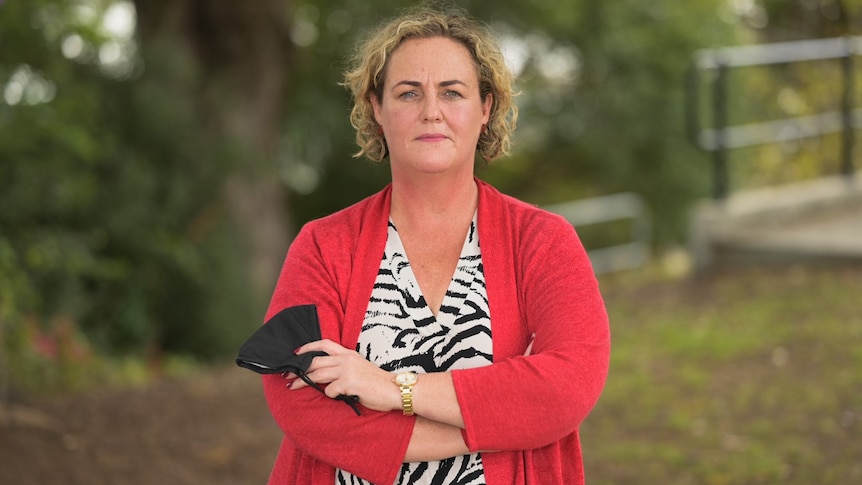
column 437, row 57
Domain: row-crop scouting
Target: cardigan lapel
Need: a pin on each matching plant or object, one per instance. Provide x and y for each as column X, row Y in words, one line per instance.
column 370, row 244
column 499, row 241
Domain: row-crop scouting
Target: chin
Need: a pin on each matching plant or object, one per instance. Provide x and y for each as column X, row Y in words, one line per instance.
column 433, row 168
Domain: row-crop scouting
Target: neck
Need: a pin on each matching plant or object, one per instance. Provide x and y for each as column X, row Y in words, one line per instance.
column 433, row 200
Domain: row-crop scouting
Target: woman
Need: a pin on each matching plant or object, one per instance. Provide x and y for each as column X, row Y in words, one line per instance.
column 469, row 324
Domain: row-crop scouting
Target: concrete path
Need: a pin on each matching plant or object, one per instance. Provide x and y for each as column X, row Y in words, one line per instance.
column 819, row 219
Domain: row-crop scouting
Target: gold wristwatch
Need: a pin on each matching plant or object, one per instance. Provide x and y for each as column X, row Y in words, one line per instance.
column 405, row 381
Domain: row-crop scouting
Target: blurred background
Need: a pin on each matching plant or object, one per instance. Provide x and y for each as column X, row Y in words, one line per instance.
column 157, row 157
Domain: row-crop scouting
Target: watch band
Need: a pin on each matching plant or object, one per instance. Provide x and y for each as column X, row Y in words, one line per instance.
column 407, row 400
column 405, row 382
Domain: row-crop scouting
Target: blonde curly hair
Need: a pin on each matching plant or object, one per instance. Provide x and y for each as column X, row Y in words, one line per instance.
column 367, row 75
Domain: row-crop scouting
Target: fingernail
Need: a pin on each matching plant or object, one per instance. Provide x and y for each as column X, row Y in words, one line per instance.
column 296, row 350
column 289, row 384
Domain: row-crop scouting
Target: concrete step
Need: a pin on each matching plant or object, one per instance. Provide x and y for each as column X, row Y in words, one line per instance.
column 820, row 219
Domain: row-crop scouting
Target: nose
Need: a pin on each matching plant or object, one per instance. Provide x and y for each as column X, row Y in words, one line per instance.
column 431, row 109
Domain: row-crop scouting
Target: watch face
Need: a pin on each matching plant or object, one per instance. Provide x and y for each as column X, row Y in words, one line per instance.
column 405, row 379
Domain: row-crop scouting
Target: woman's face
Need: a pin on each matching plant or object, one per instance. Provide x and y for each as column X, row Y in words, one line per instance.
column 431, row 111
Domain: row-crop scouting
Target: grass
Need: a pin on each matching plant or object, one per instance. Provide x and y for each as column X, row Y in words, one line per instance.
column 746, row 376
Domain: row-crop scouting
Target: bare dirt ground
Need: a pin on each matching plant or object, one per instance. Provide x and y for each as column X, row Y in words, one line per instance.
column 208, row 428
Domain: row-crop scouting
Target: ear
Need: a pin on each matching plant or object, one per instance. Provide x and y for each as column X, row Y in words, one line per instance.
column 375, row 104
column 486, row 107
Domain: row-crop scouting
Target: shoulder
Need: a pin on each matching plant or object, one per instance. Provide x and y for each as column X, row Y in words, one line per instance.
column 343, row 231
column 520, row 216
column 348, row 223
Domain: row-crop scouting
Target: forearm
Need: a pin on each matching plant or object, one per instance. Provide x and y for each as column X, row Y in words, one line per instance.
column 430, row 439
column 434, row 399
column 533, row 389
column 433, row 441
column 437, row 433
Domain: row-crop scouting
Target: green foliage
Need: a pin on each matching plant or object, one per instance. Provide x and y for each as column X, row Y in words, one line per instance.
column 110, row 208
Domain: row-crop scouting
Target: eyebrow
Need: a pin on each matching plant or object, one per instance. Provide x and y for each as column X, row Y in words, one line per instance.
column 442, row 84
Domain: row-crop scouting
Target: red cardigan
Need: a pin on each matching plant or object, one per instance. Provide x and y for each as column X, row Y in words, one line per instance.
column 539, row 281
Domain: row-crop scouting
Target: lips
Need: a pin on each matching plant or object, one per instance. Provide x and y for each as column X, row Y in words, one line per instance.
column 432, row 137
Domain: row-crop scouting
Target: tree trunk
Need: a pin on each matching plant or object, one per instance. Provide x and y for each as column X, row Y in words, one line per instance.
column 241, row 54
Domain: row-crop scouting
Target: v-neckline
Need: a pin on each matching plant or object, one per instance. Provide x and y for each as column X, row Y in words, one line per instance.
column 419, row 311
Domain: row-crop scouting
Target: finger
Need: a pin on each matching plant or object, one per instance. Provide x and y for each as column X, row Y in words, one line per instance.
column 299, row 382
column 322, row 362
column 320, row 377
column 296, row 384
column 332, row 391
column 325, row 345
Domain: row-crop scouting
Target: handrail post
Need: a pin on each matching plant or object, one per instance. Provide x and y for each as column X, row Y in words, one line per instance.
column 719, row 113
column 692, row 107
column 847, row 118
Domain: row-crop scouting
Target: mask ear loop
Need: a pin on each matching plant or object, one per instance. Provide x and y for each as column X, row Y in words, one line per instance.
column 350, row 400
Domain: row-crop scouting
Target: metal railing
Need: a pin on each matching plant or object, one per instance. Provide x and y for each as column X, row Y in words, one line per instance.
column 608, row 208
column 721, row 137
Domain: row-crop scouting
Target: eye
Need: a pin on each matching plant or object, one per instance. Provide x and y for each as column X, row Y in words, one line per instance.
column 449, row 93
column 408, row 95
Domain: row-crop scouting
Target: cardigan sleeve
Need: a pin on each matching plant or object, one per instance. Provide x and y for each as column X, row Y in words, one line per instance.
column 542, row 397
column 371, row 446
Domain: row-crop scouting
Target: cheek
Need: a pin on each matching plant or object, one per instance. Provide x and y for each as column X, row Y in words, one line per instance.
column 467, row 120
column 402, row 114
column 396, row 122
column 394, row 129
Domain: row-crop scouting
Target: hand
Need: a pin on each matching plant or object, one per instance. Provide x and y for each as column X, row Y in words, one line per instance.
column 344, row 371
column 530, row 346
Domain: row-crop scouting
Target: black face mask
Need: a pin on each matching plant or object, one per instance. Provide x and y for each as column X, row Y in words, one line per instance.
column 270, row 349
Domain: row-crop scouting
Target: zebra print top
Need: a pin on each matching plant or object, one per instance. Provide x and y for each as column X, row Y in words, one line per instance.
column 401, row 333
